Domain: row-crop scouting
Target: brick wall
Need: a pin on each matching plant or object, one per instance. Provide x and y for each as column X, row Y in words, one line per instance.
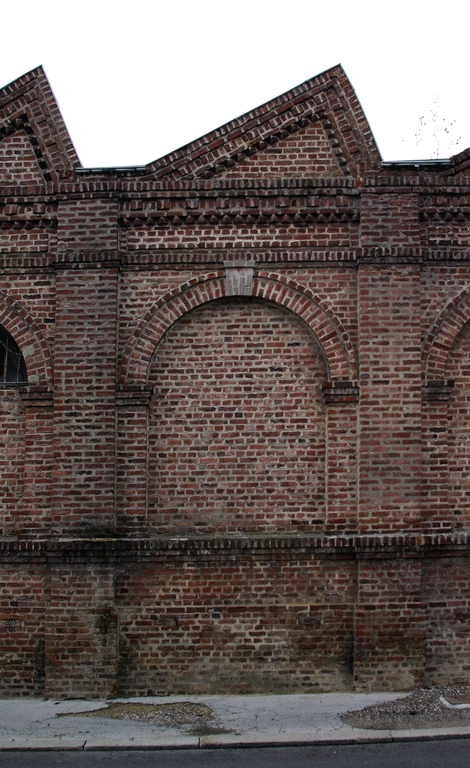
column 308, row 153
column 390, row 401
column 84, row 411
column 259, row 620
column 24, row 597
column 240, row 462
column 446, row 597
column 18, row 161
column 458, row 432
column 12, row 455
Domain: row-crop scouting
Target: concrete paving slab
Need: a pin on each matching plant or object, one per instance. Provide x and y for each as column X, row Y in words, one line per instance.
column 28, row 744
column 236, row 721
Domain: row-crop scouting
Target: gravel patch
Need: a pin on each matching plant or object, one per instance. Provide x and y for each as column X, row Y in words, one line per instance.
column 180, row 713
column 423, row 708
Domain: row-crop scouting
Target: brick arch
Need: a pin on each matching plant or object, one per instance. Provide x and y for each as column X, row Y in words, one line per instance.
column 21, row 326
column 169, row 308
column 443, row 334
column 318, row 315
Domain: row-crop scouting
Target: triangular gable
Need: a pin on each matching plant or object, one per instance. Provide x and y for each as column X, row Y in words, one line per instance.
column 305, row 153
column 30, row 119
column 327, row 101
column 18, row 164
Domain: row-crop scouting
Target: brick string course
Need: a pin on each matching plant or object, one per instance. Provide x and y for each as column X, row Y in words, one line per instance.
column 240, row 463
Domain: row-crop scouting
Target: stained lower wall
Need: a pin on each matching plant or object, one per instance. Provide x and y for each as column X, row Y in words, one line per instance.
column 233, row 615
column 239, row 620
column 24, row 603
column 446, row 590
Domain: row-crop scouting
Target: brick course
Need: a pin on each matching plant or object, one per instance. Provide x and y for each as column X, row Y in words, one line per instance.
column 240, row 460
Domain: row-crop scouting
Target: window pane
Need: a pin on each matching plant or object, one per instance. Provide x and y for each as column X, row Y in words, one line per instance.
column 12, row 364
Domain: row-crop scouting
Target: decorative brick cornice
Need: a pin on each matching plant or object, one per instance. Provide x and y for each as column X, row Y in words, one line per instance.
column 70, row 259
column 132, row 187
column 34, row 261
column 231, row 208
column 36, row 215
column 29, row 223
column 299, row 218
column 357, row 546
column 243, row 218
column 445, row 215
column 213, row 256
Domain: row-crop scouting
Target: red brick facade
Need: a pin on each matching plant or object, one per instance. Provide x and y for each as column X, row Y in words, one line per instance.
column 240, row 459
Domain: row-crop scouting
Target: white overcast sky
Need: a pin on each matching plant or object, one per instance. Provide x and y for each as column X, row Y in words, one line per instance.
column 137, row 79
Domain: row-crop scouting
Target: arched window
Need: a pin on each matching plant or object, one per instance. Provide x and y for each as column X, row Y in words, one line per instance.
column 12, row 364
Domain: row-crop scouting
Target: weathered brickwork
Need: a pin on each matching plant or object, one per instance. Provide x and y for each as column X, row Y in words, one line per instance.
column 390, row 377
column 12, row 455
column 81, row 629
column 239, row 462
column 459, row 432
column 21, row 241
column 446, row 597
column 389, row 624
column 245, row 621
column 237, row 433
column 24, row 600
column 17, row 160
column 319, row 236
column 84, row 408
column 305, row 154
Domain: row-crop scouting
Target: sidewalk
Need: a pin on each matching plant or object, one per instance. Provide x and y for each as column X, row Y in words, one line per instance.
column 235, row 721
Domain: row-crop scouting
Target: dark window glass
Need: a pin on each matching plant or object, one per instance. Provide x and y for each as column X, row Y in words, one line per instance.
column 12, row 364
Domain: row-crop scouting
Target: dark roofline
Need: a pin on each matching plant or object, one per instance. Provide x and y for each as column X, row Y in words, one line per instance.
column 415, row 163
column 113, row 169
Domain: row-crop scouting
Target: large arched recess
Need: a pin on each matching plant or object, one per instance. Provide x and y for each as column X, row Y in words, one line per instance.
column 318, row 316
column 331, row 343
column 458, row 430
column 237, row 423
column 446, row 413
column 13, row 421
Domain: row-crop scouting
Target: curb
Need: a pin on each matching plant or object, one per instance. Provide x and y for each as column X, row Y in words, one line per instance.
column 388, row 737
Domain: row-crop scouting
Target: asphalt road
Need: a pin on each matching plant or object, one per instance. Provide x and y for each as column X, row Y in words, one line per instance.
column 448, row 753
